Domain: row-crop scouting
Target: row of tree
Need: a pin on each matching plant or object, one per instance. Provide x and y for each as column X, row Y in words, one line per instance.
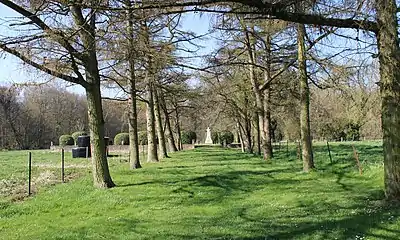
column 134, row 45
column 33, row 117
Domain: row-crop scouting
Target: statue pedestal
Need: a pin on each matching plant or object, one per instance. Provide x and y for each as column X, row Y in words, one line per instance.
column 208, row 137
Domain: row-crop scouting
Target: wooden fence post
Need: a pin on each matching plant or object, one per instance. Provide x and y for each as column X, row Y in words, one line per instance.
column 329, row 150
column 62, row 165
column 29, row 172
column 357, row 159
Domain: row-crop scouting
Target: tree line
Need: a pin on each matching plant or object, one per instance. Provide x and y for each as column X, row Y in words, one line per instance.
column 134, row 45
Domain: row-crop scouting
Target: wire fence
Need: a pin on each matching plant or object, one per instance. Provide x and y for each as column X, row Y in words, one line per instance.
column 23, row 173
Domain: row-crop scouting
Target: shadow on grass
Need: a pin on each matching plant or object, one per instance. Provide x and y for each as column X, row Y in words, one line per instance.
column 330, row 204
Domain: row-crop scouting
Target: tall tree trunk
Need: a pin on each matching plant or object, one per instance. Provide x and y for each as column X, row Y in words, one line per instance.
column 247, row 134
column 263, row 141
column 160, row 131
column 305, row 132
column 134, row 158
column 267, row 135
column 152, row 155
column 168, row 130
column 178, row 129
column 101, row 174
column 240, row 135
column 258, row 136
column 256, row 90
column 266, row 124
column 388, row 45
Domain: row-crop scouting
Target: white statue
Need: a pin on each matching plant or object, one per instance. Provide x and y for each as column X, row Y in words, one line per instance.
column 208, row 137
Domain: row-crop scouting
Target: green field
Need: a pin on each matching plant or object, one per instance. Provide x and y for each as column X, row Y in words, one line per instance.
column 214, row 194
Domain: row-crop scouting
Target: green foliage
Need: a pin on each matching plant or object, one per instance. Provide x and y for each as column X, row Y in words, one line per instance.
column 75, row 135
column 222, row 137
column 226, row 137
column 121, row 138
column 188, row 137
column 348, row 132
column 225, row 191
column 352, row 132
column 215, row 137
column 66, row 140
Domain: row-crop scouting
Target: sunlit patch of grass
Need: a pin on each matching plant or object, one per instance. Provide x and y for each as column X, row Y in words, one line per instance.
column 217, row 194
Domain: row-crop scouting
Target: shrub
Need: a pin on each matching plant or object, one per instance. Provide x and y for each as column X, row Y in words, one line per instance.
column 226, row 137
column 222, row 137
column 215, row 137
column 75, row 135
column 188, row 137
column 66, row 140
column 121, row 137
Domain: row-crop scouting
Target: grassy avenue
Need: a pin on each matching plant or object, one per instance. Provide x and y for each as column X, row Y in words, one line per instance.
column 205, row 193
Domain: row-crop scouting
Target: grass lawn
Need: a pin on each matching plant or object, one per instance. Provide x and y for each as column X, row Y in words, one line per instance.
column 216, row 194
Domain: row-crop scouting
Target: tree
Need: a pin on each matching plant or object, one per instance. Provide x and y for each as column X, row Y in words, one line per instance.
column 72, row 56
column 133, row 124
column 385, row 29
column 305, row 132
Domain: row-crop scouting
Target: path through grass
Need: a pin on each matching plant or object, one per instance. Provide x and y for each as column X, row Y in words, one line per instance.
column 212, row 194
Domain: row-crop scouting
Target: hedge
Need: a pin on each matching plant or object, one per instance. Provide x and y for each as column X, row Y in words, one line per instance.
column 66, row 140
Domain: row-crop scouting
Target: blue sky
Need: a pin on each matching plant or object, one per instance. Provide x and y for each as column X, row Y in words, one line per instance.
column 13, row 70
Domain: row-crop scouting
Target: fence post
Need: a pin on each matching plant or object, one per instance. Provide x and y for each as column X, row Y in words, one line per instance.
column 329, row 150
column 87, row 153
column 287, row 148
column 62, row 165
column 143, row 151
column 29, row 172
column 357, row 159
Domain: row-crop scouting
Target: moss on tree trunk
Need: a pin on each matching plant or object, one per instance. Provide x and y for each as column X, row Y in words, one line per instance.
column 389, row 58
column 160, row 131
column 101, row 174
column 134, row 158
column 305, row 132
column 152, row 155
column 168, row 131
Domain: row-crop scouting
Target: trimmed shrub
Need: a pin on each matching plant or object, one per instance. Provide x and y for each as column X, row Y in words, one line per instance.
column 66, row 140
column 75, row 135
column 121, row 137
column 188, row 137
column 222, row 137
column 226, row 137
column 215, row 137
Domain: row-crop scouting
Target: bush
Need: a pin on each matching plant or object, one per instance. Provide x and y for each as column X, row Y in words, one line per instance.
column 121, row 137
column 75, row 135
column 347, row 132
column 66, row 140
column 215, row 137
column 226, row 137
column 222, row 137
column 188, row 137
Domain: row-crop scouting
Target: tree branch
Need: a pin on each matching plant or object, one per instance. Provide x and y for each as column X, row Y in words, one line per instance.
column 43, row 68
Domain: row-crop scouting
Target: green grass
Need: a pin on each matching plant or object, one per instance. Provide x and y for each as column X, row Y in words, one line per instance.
column 216, row 194
column 45, row 171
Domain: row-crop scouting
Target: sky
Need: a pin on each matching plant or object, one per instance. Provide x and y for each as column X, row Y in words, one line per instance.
column 12, row 70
